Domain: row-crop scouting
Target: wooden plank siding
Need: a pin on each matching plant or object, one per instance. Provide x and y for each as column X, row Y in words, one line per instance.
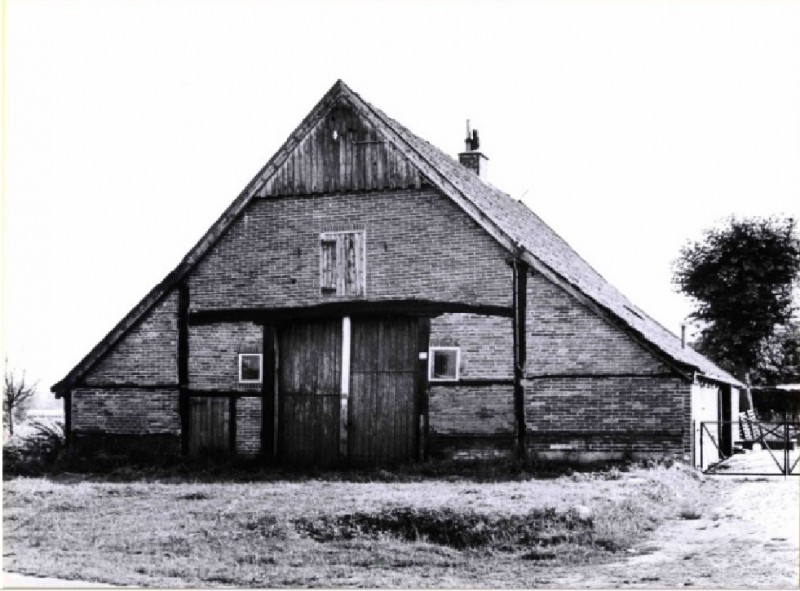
column 210, row 418
column 309, row 392
column 383, row 411
column 342, row 152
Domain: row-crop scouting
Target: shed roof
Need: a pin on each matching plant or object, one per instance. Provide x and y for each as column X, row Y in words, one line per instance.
column 515, row 226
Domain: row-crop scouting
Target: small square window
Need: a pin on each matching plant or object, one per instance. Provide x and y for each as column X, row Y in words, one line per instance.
column 443, row 364
column 250, row 368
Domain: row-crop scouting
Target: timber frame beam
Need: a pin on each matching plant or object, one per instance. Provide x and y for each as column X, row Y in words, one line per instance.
column 268, row 389
column 520, row 310
column 425, row 308
column 183, row 364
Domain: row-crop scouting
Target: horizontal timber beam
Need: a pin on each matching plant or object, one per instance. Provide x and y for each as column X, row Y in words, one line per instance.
column 616, row 434
column 348, row 308
column 225, row 393
column 476, row 436
column 571, row 376
column 125, row 386
column 472, row 383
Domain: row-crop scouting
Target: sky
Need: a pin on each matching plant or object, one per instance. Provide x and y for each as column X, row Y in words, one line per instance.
column 130, row 125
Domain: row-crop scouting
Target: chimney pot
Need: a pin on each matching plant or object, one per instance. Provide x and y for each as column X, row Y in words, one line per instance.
column 472, row 158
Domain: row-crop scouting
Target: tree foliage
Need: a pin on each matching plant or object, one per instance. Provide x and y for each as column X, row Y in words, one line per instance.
column 741, row 277
column 17, row 397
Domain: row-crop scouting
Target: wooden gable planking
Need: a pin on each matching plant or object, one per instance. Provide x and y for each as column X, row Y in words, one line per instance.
column 342, row 152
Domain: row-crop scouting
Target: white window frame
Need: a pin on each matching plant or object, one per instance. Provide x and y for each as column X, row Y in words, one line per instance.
column 431, row 359
column 260, row 368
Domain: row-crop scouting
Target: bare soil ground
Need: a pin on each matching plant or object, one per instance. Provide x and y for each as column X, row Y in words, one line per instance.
column 681, row 530
column 747, row 538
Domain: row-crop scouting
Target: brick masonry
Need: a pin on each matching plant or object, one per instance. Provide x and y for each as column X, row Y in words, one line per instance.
column 643, row 414
column 419, row 245
column 125, row 411
column 486, row 344
column 214, row 355
column 565, row 337
column 473, row 421
column 482, row 410
column 248, row 425
column 148, row 354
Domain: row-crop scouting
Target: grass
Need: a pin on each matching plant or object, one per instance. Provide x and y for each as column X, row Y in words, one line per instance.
column 336, row 532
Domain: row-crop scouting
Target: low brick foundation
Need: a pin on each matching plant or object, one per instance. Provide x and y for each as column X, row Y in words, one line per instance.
column 591, row 447
column 471, row 447
column 141, row 447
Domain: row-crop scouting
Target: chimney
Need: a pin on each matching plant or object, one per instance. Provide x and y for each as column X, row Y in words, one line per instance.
column 472, row 158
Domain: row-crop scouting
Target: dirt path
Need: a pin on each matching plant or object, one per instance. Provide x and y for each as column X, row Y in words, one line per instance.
column 750, row 540
column 18, row 581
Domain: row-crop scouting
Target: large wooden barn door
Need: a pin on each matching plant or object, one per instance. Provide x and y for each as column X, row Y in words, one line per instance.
column 210, row 419
column 382, row 413
column 309, row 392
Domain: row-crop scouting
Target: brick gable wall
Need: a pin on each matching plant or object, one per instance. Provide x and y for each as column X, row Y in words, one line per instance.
column 125, row 411
column 419, row 246
column 474, row 421
column 147, row 355
column 565, row 337
column 486, row 343
column 214, row 355
column 592, row 391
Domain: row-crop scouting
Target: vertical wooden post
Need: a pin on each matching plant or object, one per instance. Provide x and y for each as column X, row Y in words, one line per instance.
column 232, row 423
column 345, row 388
column 422, row 402
column 268, row 392
column 68, row 417
column 702, row 469
column 183, row 364
column 725, row 421
column 786, row 460
column 520, row 301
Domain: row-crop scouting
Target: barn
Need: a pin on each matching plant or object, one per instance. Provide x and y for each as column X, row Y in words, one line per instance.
column 369, row 300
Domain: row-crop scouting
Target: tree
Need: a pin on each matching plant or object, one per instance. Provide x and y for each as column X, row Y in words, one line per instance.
column 742, row 277
column 779, row 358
column 17, row 396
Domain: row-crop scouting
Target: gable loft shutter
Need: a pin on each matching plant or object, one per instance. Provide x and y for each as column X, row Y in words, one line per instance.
column 350, row 264
column 328, row 274
column 360, row 264
column 342, row 264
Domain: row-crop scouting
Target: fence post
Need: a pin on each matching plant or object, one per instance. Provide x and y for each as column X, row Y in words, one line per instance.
column 785, row 444
column 702, row 469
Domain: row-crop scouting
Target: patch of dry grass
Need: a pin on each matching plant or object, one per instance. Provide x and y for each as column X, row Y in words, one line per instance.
column 376, row 534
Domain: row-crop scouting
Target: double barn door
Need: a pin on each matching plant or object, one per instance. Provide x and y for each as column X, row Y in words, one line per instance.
column 348, row 398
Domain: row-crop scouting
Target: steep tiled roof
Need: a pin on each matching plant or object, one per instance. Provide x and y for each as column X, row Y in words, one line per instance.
column 516, row 226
